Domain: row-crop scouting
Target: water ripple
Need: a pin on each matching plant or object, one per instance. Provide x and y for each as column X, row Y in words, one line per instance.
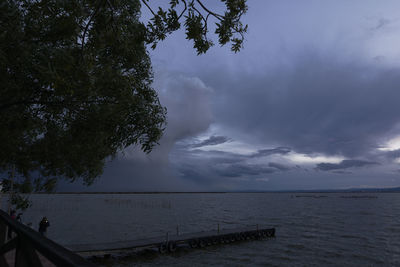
column 327, row 231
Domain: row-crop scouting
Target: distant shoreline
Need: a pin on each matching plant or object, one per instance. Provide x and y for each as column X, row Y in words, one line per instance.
column 353, row 190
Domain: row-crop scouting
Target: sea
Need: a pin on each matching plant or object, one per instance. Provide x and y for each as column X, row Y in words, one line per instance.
column 312, row 229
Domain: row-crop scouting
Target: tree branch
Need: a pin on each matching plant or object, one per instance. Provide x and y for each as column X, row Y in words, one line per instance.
column 151, row 10
column 218, row 16
column 184, row 1
column 88, row 24
column 201, row 15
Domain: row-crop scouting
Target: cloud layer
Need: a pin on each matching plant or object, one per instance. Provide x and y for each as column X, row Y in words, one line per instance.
column 344, row 164
column 318, row 106
column 309, row 103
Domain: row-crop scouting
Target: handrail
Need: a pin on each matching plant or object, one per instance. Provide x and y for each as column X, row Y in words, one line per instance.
column 28, row 240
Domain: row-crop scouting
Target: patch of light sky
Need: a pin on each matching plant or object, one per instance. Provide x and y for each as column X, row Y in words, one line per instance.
column 312, row 159
column 391, row 145
column 245, row 149
column 236, row 147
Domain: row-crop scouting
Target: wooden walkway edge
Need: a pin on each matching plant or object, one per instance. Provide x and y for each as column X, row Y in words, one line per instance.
column 169, row 242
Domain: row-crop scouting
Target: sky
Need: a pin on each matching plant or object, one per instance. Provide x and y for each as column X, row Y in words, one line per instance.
column 310, row 102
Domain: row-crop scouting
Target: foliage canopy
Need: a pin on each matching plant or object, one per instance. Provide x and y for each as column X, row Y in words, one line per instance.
column 75, row 80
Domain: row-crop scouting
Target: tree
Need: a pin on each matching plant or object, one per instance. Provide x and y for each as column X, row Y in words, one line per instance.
column 75, row 81
column 229, row 28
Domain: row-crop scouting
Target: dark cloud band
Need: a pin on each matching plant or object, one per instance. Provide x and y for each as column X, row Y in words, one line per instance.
column 344, row 164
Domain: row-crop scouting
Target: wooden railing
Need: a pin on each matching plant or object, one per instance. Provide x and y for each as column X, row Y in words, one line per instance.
column 29, row 248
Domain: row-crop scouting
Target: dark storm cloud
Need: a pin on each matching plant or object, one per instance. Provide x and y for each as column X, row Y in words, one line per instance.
column 236, row 170
column 305, row 82
column 344, row 164
column 137, row 171
column 200, row 165
column 193, row 173
column 216, row 155
column 125, row 175
column 319, row 104
column 393, row 154
column 212, row 141
column 278, row 166
column 272, row 151
column 342, row 172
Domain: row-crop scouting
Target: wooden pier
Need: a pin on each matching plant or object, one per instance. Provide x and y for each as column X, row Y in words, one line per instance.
column 29, row 248
column 169, row 243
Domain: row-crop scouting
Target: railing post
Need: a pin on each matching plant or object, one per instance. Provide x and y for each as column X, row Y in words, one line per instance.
column 26, row 255
column 3, row 233
column 20, row 259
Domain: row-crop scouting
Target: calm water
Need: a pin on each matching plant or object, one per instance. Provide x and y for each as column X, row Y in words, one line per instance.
column 329, row 231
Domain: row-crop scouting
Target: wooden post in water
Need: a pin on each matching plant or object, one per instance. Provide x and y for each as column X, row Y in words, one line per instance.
column 218, row 229
column 177, row 230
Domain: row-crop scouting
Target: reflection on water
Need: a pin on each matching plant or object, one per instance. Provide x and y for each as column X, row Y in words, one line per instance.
column 332, row 229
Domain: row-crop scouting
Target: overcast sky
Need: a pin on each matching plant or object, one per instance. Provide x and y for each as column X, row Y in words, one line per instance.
column 311, row 102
